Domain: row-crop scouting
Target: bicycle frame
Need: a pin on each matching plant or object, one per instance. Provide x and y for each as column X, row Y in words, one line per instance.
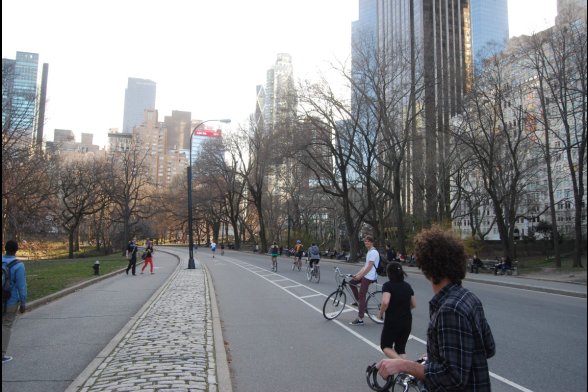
column 336, row 302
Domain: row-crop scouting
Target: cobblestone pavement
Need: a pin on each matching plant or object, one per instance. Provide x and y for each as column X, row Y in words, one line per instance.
column 169, row 348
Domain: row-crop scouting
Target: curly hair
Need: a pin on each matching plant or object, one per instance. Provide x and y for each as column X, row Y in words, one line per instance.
column 395, row 272
column 440, row 254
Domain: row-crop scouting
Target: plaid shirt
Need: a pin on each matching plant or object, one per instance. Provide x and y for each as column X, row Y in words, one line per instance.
column 459, row 342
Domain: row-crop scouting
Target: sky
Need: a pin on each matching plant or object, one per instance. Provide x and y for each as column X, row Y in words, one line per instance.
column 206, row 56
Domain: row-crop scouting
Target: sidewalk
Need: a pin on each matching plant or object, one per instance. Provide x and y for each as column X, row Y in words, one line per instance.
column 174, row 344
column 574, row 286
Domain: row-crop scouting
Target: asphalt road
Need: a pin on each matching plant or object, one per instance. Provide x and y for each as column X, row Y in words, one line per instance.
column 278, row 339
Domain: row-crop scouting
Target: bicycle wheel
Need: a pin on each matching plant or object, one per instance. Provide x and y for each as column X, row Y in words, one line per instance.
column 334, row 304
column 373, row 306
column 317, row 276
column 308, row 274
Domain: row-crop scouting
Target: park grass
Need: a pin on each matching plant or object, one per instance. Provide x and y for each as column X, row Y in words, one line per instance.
column 45, row 277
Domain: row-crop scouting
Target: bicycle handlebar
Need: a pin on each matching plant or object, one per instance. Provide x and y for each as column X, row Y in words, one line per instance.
column 371, row 375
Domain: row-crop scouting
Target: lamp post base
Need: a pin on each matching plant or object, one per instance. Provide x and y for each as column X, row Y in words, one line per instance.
column 191, row 263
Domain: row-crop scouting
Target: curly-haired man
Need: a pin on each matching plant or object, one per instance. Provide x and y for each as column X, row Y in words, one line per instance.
column 459, row 339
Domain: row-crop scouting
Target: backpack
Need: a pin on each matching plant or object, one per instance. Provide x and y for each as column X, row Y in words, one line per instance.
column 381, row 269
column 6, row 281
column 314, row 251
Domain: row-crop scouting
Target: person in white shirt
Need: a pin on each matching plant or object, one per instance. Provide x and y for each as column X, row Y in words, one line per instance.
column 213, row 248
column 364, row 277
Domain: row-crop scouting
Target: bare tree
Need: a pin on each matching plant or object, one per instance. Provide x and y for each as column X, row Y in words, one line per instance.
column 493, row 130
column 558, row 57
column 129, row 189
column 26, row 172
column 80, row 194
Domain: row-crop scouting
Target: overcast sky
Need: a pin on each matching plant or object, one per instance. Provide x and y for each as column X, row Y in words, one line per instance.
column 206, row 56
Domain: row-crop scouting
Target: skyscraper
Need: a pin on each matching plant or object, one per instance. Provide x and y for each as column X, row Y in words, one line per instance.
column 434, row 39
column 139, row 95
column 280, row 94
column 489, row 27
column 19, row 92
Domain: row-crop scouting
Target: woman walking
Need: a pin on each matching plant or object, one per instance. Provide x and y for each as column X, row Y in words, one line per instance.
column 397, row 302
column 148, row 256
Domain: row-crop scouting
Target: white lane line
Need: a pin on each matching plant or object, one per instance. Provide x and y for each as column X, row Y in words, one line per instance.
column 309, row 296
column 290, row 287
column 246, row 266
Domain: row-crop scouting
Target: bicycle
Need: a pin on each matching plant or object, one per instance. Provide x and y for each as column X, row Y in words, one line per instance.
column 297, row 262
column 313, row 273
column 337, row 300
column 404, row 381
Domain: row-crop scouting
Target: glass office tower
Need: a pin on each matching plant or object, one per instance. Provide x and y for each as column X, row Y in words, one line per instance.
column 139, row 95
column 19, row 91
column 489, row 27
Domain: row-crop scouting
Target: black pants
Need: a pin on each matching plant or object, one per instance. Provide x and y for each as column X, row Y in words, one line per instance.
column 132, row 265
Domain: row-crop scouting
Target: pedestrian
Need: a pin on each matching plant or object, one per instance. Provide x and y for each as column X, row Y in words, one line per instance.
column 213, row 248
column 390, row 254
column 397, row 302
column 364, row 277
column 148, row 256
column 459, row 338
column 132, row 249
column 18, row 294
column 222, row 249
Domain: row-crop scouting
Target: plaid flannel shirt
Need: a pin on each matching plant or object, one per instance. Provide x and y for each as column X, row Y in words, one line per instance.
column 459, row 342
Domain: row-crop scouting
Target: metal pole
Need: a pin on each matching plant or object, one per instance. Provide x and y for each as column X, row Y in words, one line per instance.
column 191, row 263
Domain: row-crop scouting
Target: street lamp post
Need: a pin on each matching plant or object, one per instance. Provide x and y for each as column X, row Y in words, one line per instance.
column 191, row 263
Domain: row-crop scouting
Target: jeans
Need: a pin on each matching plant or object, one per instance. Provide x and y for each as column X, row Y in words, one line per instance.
column 360, row 297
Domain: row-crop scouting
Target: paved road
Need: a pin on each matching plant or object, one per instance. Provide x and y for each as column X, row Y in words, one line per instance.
column 86, row 338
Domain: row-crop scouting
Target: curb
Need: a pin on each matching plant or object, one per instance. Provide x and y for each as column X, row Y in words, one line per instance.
column 222, row 365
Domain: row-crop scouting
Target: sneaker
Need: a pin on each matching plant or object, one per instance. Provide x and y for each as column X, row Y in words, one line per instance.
column 356, row 322
column 6, row 358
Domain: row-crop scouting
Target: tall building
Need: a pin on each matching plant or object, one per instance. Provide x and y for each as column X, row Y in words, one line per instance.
column 178, row 130
column 19, row 92
column 139, row 96
column 280, row 102
column 436, row 38
column 489, row 28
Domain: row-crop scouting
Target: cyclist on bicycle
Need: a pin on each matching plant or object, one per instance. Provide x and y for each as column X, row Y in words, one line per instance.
column 364, row 277
column 314, row 255
column 274, row 250
column 299, row 252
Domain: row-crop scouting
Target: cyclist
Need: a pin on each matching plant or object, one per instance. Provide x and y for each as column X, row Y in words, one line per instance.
column 274, row 250
column 299, row 252
column 314, row 255
column 364, row 277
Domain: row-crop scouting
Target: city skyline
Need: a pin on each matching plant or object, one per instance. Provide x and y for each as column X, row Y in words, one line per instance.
column 208, row 61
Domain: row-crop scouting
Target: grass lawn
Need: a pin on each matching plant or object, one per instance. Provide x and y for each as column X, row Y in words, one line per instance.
column 45, row 277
